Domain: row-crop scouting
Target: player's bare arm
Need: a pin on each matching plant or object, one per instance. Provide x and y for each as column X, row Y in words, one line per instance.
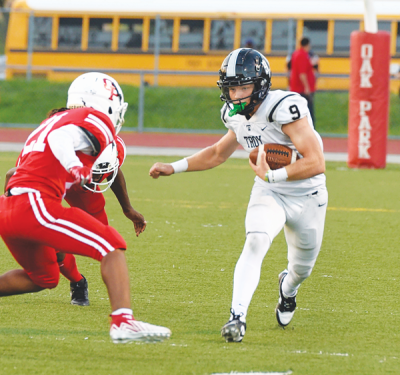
column 262, row 168
column 306, row 142
column 303, row 137
column 9, row 174
column 214, row 155
column 209, row 157
column 119, row 189
column 304, row 81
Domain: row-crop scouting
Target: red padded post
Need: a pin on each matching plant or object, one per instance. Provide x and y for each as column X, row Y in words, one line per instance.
column 369, row 99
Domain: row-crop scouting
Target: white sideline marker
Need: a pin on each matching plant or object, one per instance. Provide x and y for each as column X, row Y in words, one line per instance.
column 178, row 151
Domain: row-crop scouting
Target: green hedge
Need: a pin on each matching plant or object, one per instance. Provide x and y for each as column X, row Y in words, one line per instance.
column 166, row 107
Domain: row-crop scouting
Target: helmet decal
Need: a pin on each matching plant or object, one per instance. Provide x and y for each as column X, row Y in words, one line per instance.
column 231, row 71
column 266, row 66
column 101, row 92
column 108, row 85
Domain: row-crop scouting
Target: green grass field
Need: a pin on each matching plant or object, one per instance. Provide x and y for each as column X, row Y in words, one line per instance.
column 167, row 107
column 181, row 272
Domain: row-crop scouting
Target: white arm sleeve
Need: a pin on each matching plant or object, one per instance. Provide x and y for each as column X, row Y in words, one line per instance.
column 65, row 141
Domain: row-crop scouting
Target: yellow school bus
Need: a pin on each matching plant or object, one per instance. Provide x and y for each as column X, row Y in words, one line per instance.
column 171, row 36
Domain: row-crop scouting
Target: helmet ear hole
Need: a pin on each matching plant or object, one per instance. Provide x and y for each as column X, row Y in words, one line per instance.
column 110, row 110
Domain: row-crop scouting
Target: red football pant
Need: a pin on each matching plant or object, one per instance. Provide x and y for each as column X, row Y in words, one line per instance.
column 94, row 205
column 69, row 269
column 34, row 227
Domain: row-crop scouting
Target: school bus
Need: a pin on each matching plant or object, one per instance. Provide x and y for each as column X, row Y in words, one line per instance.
column 56, row 38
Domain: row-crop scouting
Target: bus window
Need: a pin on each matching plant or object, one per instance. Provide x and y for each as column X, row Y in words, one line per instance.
column 317, row 32
column 385, row 26
column 191, row 34
column 42, row 32
column 100, row 33
column 130, row 33
column 398, row 38
column 253, row 35
column 70, row 33
column 166, row 32
column 280, row 35
column 341, row 39
column 222, row 35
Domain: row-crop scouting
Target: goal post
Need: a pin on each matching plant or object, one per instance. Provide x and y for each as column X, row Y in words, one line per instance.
column 370, row 20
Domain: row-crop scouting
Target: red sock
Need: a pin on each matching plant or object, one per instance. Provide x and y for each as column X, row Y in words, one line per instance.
column 69, row 269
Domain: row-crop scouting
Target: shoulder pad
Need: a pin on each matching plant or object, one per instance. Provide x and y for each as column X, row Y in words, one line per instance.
column 289, row 108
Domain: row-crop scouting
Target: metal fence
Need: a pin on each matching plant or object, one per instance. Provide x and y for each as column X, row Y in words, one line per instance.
column 4, row 17
column 286, row 30
column 35, row 34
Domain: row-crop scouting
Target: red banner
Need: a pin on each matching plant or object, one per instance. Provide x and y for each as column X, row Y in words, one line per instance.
column 369, row 99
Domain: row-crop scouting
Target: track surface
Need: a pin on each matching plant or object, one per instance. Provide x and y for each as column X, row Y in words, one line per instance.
column 185, row 140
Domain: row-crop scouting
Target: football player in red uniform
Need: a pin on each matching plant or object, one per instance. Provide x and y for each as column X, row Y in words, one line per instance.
column 33, row 223
column 106, row 173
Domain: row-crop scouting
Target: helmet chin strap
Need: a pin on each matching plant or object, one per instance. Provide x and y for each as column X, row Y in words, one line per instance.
column 248, row 109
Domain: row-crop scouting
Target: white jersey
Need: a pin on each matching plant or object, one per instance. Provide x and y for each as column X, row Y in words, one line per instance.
column 265, row 126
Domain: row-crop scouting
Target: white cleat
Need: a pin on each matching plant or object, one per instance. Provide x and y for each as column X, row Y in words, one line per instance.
column 235, row 329
column 286, row 305
column 124, row 329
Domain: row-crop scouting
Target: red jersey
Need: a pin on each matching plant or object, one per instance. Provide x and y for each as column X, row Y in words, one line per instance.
column 300, row 63
column 121, row 149
column 39, row 169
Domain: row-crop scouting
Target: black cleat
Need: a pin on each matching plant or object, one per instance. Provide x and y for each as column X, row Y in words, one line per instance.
column 286, row 306
column 234, row 330
column 79, row 293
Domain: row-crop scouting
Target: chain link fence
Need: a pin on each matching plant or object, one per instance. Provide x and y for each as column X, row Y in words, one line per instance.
column 4, row 17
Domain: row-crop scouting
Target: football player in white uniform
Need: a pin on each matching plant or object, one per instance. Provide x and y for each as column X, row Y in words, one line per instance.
column 293, row 197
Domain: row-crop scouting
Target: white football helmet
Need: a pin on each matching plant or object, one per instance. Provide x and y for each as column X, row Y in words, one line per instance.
column 106, row 163
column 101, row 92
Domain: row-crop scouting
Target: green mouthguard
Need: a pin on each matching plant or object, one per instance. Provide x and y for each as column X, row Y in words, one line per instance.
column 236, row 108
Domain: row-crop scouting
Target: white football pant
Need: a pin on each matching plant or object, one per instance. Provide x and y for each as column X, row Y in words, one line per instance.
column 303, row 219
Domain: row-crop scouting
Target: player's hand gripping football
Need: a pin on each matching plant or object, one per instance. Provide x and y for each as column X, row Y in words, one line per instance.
column 137, row 219
column 262, row 168
column 81, row 175
column 161, row 169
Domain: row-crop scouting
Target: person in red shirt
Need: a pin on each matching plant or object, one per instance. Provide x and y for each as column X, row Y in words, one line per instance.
column 302, row 74
column 35, row 226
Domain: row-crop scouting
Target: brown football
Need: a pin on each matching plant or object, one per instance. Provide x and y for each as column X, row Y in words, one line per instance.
column 278, row 156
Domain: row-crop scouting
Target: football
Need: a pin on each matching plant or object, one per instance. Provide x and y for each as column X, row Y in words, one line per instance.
column 277, row 155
